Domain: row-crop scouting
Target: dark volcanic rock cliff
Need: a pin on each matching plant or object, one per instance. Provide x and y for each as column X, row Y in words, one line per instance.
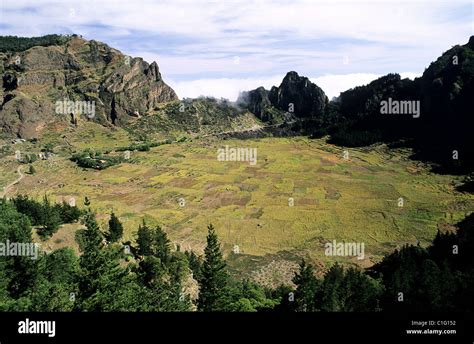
column 296, row 95
column 307, row 98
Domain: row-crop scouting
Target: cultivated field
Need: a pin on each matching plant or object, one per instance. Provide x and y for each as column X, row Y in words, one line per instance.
column 183, row 187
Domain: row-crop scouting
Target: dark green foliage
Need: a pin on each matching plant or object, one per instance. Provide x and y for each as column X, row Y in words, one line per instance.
column 160, row 271
column 214, row 275
column 115, row 229
column 435, row 279
column 19, row 272
column 28, row 159
column 349, row 291
column 144, row 240
column 103, row 284
column 14, row 43
column 56, row 287
column 446, row 103
column 143, row 147
column 51, row 219
column 439, row 278
column 95, row 160
column 306, row 288
column 161, row 245
column 245, row 296
column 67, row 212
column 153, row 242
column 341, row 290
column 46, row 215
column 195, row 264
column 30, row 208
column 48, row 148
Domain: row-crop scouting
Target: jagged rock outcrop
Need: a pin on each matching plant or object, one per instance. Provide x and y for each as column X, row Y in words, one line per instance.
column 34, row 80
column 296, row 95
column 307, row 98
column 258, row 103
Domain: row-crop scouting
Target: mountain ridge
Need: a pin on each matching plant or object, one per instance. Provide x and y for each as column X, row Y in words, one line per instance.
column 131, row 93
column 79, row 70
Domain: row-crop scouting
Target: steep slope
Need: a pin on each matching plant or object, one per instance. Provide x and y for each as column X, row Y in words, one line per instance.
column 354, row 118
column 442, row 132
column 447, row 95
column 201, row 116
column 34, row 80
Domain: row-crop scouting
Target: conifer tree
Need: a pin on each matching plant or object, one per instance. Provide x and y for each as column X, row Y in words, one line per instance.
column 306, row 288
column 161, row 245
column 115, row 229
column 144, row 240
column 214, row 275
column 51, row 219
column 330, row 289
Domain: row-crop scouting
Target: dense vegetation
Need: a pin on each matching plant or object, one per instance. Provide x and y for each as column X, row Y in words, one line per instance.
column 46, row 215
column 95, row 160
column 150, row 275
column 143, row 147
column 445, row 94
column 14, row 43
column 439, row 132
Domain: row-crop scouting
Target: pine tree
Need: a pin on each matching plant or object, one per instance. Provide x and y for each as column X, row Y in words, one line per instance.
column 330, row 289
column 359, row 292
column 51, row 218
column 144, row 240
column 161, row 245
column 195, row 264
column 91, row 244
column 307, row 286
column 160, row 273
column 103, row 284
column 58, row 276
column 115, row 229
column 92, row 237
column 214, row 275
column 20, row 273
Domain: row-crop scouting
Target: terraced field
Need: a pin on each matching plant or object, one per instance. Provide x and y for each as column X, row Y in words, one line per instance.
column 299, row 195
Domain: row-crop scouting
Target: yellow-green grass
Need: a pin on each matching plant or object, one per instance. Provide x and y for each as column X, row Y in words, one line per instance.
column 351, row 200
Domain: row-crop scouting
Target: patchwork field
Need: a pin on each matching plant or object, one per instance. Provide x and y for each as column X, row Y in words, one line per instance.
column 183, row 187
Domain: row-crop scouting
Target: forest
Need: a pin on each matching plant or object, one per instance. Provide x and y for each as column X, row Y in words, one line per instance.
column 150, row 274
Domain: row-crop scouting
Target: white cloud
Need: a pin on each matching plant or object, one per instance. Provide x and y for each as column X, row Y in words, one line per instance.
column 230, row 88
column 332, row 85
column 221, row 87
column 199, row 39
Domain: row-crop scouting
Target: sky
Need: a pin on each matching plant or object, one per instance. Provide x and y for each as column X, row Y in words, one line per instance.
column 221, row 47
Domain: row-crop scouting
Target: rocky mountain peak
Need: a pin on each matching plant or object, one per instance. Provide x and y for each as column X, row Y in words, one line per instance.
column 34, row 79
column 296, row 95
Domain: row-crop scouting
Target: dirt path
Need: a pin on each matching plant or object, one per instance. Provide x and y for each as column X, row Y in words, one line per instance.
column 8, row 186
